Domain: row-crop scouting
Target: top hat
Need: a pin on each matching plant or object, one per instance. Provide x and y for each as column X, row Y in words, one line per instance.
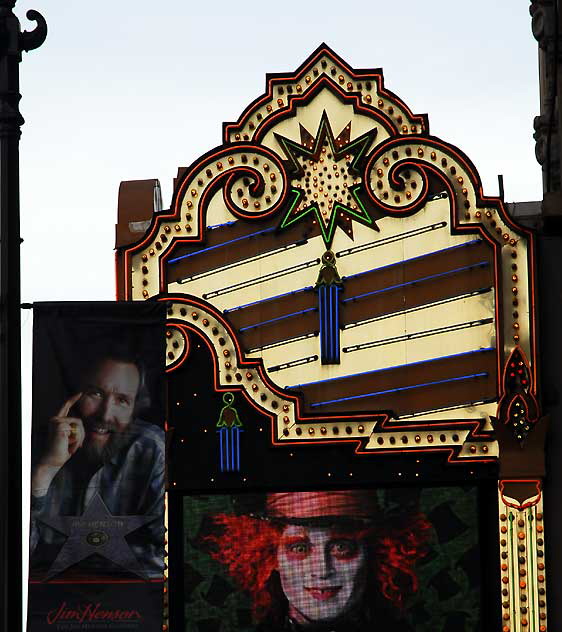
column 322, row 507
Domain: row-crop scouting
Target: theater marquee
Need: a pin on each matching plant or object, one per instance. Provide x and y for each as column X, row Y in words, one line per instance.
column 347, row 313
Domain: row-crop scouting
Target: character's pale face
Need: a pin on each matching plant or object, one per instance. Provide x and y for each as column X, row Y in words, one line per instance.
column 107, row 404
column 322, row 573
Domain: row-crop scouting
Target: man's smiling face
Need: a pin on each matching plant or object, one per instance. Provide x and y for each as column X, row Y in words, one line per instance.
column 322, row 573
column 107, row 405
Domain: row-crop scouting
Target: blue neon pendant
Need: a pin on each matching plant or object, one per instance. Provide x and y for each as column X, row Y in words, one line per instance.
column 329, row 287
column 229, row 430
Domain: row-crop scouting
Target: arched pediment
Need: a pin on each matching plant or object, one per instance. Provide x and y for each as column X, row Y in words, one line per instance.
column 427, row 291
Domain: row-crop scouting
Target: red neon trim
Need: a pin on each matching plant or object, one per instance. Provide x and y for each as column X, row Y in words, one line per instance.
column 234, row 209
column 461, row 424
column 381, row 419
column 518, row 350
column 465, row 228
column 200, row 164
column 217, row 387
column 374, row 75
column 498, row 305
column 532, row 311
column 255, row 364
column 185, row 352
column 530, row 503
column 477, row 228
column 295, row 101
column 450, row 458
column 403, row 210
column 202, row 208
column 473, row 175
column 220, row 151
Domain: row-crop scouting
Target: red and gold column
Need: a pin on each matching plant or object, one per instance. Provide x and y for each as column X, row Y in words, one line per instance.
column 522, row 555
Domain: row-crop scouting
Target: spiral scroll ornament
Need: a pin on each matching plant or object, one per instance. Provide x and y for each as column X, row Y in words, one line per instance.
column 253, row 181
column 30, row 40
column 398, row 188
column 397, row 176
column 254, row 186
column 403, row 174
column 397, row 182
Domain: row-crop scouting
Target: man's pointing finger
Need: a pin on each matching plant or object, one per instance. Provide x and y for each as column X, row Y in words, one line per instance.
column 65, row 409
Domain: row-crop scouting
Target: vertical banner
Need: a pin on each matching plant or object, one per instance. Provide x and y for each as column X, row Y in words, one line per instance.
column 98, row 465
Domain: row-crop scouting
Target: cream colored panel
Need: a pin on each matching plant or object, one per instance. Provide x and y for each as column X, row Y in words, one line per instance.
column 480, row 411
column 338, row 114
column 393, row 354
column 469, row 309
column 415, row 439
column 420, row 240
column 425, row 242
column 433, row 212
column 217, row 213
column 521, row 535
column 423, row 349
column 389, row 253
column 397, row 353
column 288, row 352
column 244, row 275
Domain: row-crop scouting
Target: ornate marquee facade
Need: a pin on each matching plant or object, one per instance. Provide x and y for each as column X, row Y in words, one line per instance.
column 363, row 307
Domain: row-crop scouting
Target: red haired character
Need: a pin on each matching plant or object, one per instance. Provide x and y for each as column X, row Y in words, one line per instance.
column 322, row 561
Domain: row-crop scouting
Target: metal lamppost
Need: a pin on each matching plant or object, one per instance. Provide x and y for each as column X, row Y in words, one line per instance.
column 12, row 42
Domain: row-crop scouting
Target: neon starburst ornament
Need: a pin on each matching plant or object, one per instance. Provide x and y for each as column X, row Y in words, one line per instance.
column 326, row 178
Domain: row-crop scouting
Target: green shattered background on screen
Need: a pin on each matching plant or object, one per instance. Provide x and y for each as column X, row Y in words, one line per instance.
column 449, row 576
column 448, row 561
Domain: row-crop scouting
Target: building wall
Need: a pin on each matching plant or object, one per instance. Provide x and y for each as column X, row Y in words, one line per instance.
column 546, row 26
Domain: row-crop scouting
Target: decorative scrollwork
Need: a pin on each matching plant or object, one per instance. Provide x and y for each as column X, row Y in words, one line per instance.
column 518, row 408
column 397, row 177
column 254, row 186
column 395, row 181
column 543, row 22
column 232, row 370
column 30, row 40
column 177, row 346
column 253, row 180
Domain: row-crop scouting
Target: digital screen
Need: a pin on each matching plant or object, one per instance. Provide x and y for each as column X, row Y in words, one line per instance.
column 400, row 559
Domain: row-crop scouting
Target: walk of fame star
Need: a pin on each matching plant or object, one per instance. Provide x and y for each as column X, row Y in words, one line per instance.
column 96, row 531
column 326, row 179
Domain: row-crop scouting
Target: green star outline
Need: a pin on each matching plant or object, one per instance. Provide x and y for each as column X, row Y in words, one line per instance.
column 328, row 236
column 359, row 147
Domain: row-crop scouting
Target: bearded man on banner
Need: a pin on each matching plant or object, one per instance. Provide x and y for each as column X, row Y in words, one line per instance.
column 98, row 483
